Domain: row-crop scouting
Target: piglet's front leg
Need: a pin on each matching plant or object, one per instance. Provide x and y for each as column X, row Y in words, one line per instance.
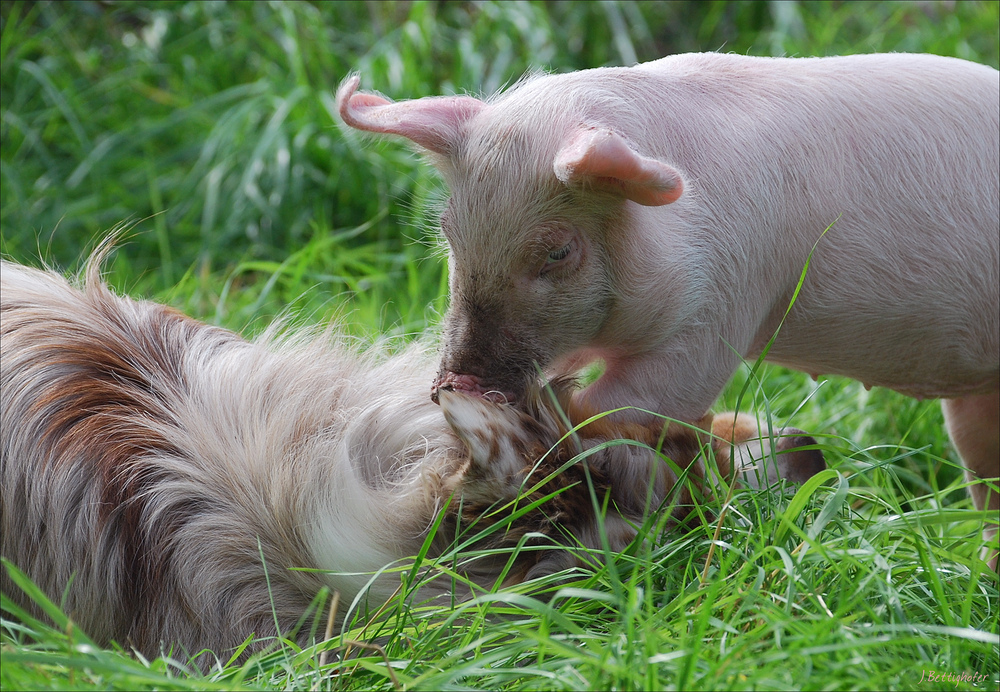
column 681, row 385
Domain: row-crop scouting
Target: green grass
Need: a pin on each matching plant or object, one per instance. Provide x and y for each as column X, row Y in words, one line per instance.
column 210, row 128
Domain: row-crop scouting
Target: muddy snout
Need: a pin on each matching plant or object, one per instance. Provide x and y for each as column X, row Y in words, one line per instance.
column 470, row 385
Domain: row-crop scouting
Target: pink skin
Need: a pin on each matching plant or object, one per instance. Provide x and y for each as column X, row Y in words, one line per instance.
column 698, row 188
column 471, row 385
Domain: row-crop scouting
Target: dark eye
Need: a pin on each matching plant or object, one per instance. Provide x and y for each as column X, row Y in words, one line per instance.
column 558, row 255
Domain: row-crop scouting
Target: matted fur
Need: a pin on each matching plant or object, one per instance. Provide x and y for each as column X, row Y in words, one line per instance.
column 167, row 476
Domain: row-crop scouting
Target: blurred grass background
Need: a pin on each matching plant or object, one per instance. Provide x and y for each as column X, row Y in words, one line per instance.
column 210, row 129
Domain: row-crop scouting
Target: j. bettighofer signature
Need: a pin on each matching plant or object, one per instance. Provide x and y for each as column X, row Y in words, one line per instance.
column 935, row 676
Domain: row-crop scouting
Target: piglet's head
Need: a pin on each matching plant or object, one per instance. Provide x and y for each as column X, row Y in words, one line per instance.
column 537, row 226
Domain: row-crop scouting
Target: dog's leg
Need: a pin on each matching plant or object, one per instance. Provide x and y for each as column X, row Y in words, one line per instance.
column 751, row 451
column 974, row 425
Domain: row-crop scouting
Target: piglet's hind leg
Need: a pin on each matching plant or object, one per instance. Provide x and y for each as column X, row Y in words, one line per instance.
column 974, row 426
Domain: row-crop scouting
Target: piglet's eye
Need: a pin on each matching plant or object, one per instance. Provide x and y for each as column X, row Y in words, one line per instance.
column 558, row 255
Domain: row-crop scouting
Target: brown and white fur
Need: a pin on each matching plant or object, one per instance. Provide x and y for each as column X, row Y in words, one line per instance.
column 166, row 475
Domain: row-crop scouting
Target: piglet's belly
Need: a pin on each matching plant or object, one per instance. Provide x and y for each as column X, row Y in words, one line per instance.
column 919, row 344
column 945, row 391
column 916, row 375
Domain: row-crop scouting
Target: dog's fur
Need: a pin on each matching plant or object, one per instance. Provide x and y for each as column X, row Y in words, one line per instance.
column 165, row 476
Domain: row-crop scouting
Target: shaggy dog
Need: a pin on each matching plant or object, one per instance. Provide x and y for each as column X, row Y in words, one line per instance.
column 165, row 476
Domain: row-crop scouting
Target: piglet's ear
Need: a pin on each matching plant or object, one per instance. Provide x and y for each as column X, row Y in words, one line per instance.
column 435, row 123
column 601, row 159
